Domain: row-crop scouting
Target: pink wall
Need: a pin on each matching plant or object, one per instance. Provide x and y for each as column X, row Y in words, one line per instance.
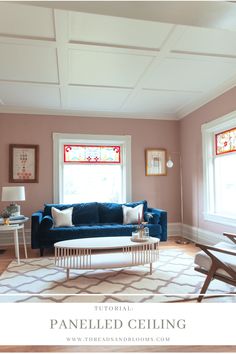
column 162, row 192
column 191, row 150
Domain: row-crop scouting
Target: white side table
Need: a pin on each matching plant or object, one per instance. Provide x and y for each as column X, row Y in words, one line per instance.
column 14, row 226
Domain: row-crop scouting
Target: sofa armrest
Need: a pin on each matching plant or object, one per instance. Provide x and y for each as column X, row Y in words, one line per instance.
column 35, row 222
column 162, row 214
column 46, row 223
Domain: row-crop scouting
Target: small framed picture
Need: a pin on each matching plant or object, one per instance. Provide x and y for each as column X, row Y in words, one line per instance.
column 156, row 162
column 23, row 163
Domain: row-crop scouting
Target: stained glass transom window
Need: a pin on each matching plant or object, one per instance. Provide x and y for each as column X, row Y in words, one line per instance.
column 92, row 154
column 225, row 141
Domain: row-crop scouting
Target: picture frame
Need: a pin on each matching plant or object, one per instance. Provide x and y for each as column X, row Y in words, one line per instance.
column 23, row 163
column 155, row 162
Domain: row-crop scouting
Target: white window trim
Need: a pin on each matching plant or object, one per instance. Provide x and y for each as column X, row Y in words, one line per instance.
column 59, row 139
column 208, row 131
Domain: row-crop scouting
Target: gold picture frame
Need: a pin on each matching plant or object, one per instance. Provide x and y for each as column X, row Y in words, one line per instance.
column 155, row 162
column 23, row 163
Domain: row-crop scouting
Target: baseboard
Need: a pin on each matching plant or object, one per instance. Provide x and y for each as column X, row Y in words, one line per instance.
column 7, row 238
column 174, row 229
column 195, row 234
column 191, row 233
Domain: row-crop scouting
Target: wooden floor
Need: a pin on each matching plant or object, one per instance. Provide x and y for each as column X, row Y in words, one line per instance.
column 8, row 256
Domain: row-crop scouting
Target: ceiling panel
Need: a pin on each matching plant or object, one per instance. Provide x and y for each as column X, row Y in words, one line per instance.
column 159, row 102
column 117, row 31
column 106, row 68
column 17, row 94
column 205, row 40
column 195, row 74
column 28, row 63
column 92, row 98
column 112, row 64
column 20, row 20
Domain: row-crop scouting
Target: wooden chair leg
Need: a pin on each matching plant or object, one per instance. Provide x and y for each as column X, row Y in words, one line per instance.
column 207, row 282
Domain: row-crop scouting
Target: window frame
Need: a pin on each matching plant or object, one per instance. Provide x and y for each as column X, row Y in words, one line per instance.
column 59, row 139
column 208, row 153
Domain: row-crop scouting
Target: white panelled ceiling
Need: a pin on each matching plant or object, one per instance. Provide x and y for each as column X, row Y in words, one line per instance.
column 58, row 61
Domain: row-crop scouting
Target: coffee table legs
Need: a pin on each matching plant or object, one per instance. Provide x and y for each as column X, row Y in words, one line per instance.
column 67, row 273
column 150, row 268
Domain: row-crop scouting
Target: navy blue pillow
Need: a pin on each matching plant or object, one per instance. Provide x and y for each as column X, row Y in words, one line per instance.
column 110, row 213
column 85, row 213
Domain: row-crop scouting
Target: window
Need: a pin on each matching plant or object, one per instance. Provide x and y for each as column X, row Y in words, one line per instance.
column 219, row 163
column 91, row 168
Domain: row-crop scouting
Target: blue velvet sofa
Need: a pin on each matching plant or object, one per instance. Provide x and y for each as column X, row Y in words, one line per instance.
column 92, row 220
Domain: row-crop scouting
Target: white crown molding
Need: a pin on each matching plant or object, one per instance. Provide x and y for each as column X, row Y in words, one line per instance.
column 65, row 112
column 188, row 109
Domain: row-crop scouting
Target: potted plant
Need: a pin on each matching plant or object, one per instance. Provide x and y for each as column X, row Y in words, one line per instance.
column 6, row 217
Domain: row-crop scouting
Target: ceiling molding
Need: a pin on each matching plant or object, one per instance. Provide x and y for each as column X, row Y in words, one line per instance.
column 208, row 14
column 82, row 114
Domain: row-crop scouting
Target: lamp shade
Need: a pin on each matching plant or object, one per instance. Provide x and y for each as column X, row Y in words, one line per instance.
column 13, row 194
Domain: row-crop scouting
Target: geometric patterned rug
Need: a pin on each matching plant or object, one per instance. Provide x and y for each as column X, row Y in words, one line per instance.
column 173, row 279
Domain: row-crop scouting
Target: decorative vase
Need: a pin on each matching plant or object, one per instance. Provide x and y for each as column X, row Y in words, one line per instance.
column 6, row 221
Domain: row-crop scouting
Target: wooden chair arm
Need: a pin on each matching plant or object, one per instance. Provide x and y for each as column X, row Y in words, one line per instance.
column 216, row 249
column 230, row 235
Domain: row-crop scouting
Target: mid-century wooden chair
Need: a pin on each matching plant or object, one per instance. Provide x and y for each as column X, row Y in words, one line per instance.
column 217, row 262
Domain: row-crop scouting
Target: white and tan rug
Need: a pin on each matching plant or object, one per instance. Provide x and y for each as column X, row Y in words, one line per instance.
column 39, row 280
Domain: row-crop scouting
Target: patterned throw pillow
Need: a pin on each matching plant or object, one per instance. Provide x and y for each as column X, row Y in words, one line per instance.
column 62, row 217
column 132, row 215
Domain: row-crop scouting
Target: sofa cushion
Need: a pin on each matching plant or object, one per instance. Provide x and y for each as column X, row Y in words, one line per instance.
column 62, row 217
column 132, row 215
column 48, row 208
column 110, row 213
column 85, row 213
column 134, row 204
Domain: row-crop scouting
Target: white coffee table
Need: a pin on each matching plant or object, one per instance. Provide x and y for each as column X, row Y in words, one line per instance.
column 118, row 252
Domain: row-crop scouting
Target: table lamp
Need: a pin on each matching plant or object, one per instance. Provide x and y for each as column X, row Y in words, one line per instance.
column 13, row 194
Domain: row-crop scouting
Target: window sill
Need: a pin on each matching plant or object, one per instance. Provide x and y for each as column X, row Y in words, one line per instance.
column 220, row 219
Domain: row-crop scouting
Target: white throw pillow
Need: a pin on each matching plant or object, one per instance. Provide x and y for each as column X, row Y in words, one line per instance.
column 132, row 215
column 62, row 217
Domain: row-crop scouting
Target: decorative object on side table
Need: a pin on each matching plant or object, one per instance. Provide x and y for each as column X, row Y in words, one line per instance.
column 13, row 194
column 6, row 217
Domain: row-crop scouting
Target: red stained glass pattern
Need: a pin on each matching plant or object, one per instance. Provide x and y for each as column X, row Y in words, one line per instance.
column 225, row 141
column 92, row 154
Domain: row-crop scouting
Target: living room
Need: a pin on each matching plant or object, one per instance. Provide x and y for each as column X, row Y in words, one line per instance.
column 80, row 69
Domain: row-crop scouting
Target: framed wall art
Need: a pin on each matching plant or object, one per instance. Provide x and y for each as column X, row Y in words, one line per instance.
column 23, row 163
column 156, row 162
